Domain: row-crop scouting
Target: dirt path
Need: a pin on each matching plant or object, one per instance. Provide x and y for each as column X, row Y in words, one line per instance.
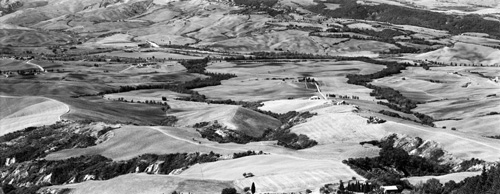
column 319, row 91
column 125, row 69
column 40, row 67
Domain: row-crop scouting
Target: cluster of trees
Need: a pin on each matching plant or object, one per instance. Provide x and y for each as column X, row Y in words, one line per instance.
column 33, row 142
column 392, row 164
column 247, row 153
column 256, row 3
column 401, row 161
column 281, row 134
column 195, row 65
column 212, row 132
column 390, row 113
column 146, row 102
column 357, row 187
column 23, row 72
column 395, row 99
column 100, row 167
column 487, row 182
column 169, row 120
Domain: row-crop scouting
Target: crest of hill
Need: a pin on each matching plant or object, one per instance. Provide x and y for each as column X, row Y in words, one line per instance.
column 464, row 53
column 233, row 117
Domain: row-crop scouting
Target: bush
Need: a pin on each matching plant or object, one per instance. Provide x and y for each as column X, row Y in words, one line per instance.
column 229, row 191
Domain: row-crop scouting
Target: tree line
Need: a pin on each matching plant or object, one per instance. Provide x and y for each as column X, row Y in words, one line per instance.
column 395, row 99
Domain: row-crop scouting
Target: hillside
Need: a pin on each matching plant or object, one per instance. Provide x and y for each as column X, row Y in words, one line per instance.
column 197, row 96
column 22, row 112
column 234, row 117
column 145, row 184
column 462, row 53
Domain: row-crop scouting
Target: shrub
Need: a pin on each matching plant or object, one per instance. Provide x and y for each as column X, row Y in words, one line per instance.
column 229, row 191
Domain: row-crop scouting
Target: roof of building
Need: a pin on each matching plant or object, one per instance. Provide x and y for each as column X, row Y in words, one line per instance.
column 389, row 188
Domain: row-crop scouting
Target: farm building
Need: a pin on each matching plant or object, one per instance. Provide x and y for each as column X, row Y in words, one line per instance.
column 390, row 189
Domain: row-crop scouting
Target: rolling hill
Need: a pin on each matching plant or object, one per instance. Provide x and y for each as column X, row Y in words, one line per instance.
column 22, row 112
column 233, row 117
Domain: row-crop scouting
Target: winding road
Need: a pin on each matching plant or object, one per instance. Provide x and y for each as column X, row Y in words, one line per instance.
column 40, row 67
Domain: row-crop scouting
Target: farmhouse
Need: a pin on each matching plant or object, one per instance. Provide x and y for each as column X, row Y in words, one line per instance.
column 390, row 189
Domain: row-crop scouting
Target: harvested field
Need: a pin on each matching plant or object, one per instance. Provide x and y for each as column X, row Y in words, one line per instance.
column 264, row 80
column 450, row 92
column 22, row 112
column 274, row 173
column 98, row 109
column 131, row 141
column 147, row 184
column 485, row 125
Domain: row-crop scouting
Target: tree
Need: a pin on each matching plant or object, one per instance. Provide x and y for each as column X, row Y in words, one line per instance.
column 253, row 188
column 229, row 191
column 341, row 186
column 432, row 186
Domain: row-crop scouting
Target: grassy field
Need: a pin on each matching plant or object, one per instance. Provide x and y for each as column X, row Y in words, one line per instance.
column 451, row 95
column 22, row 112
column 147, row 184
column 463, row 53
column 99, row 109
column 339, row 124
column 274, row 173
column 14, row 65
column 255, row 80
column 132, row 141
column 29, row 87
